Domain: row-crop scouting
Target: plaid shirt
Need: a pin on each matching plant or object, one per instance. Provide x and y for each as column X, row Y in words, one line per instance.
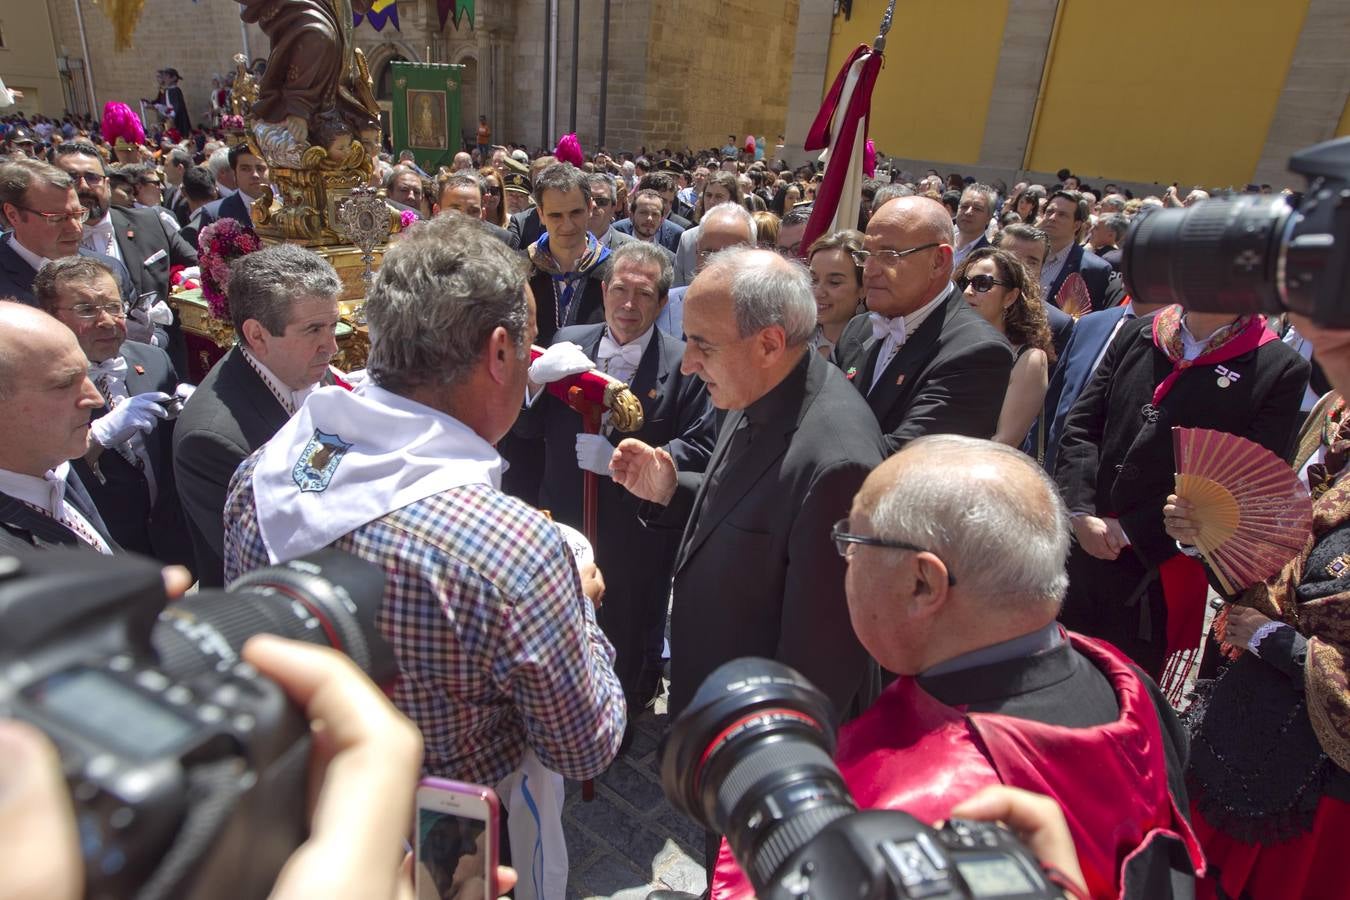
column 498, row 647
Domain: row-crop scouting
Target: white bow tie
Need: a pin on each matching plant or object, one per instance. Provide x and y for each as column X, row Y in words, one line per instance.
column 56, row 484
column 103, row 229
column 882, row 326
column 116, row 367
column 630, row 353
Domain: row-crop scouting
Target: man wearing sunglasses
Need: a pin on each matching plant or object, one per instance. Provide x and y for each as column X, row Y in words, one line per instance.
column 926, row 362
column 44, row 216
column 128, row 468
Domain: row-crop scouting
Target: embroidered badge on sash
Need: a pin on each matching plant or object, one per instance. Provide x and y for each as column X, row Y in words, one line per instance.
column 319, row 461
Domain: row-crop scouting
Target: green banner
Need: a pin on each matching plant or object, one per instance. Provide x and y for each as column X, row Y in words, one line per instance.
column 426, row 112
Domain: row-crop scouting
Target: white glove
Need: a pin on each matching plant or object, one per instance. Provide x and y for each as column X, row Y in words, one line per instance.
column 140, row 326
column 594, row 452
column 135, row 415
column 184, row 392
column 558, row 362
column 160, row 313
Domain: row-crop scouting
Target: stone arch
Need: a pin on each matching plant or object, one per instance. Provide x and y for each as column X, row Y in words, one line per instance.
column 470, row 97
column 379, row 58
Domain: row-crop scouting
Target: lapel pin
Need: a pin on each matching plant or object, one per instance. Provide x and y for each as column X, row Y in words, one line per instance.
column 130, row 234
column 900, row 379
column 140, row 370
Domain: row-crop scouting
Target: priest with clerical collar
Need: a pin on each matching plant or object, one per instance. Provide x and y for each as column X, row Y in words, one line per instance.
column 284, row 306
column 128, row 468
column 47, row 400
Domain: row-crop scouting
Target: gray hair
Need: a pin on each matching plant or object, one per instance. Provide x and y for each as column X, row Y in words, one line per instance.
column 999, row 547
column 21, row 173
column 561, row 177
column 598, row 179
column 264, row 284
column 767, row 290
column 989, row 194
column 1112, row 203
column 888, row 192
column 439, row 294
column 1118, row 224
column 733, row 211
column 641, row 253
column 219, row 161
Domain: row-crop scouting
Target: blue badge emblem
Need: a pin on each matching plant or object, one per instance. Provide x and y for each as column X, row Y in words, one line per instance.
column 319, row 461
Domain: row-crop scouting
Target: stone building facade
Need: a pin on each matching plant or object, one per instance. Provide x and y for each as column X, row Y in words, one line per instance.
column 681, row 73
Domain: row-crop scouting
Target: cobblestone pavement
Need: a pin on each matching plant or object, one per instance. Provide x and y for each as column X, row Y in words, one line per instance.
column 629, row 840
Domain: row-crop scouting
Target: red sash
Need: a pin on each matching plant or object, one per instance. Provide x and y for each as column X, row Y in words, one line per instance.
column 909, row 751
column 1254, row 335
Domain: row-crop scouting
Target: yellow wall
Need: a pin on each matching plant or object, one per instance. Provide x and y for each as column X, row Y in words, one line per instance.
column 1190, row 101
column 1343, row 129
column 932, row 95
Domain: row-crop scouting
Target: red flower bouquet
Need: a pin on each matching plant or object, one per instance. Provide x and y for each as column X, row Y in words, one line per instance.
column 219, row 244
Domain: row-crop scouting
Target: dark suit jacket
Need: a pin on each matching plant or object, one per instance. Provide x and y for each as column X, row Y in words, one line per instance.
column 142, row 237
column 231, row 207
column 16, row 275
column 232, row 414
column 1072, row 372
column 668, row 235
column 503, row 235
column 120, row 490
column 757, row 573
column 181, row 121
column 1096, row 271
column 948, row 378
column 1061, row 327
column 636, row 561
column 525, row 225
column 21, row 528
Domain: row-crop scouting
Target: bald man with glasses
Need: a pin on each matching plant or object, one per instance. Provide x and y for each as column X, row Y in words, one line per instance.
column 924, row 359
column 45, row 219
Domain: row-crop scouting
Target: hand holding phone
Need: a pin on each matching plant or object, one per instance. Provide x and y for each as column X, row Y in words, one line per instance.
column 456, row 841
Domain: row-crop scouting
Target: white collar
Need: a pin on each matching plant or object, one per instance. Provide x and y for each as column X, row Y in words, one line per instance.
column 288, row 398
column 643, row 340
column 46, row 493
column 351, row 457
column 916, row 318
column 28, row 256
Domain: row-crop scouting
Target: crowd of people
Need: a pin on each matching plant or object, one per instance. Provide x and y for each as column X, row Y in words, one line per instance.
column 926, row 461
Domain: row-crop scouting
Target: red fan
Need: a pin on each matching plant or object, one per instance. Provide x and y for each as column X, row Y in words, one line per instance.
column 1253, row 511
column 1073, row 296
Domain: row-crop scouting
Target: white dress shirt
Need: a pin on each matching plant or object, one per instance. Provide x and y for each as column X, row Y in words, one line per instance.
column 290, row 400
column 890, row 346
column 100, row 237
column 621, row 360
column 1050, row 269
column 48, row 496
column 28, row 256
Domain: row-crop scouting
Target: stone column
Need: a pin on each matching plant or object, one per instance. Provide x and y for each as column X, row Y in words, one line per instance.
column 809, row 76
column 1017, row 82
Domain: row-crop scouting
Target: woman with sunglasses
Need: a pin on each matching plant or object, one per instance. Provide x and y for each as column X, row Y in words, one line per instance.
column 999, row 288
column 836, row 281
column 494, row 210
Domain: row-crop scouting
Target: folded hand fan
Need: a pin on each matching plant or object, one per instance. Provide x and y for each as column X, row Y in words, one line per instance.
column 1253, row 512
column 1073, row 297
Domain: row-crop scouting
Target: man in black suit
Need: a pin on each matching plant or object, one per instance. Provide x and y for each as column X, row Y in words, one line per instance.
column 198, row 190
column 47, row 399
column 250, row 174
column 755, row 574
column 177, row 104
column 284, row 307
column 137, row 238
column 926, row 362
column 972, row 221
column 1065, row 213
column 128, row 469
column 32, row 194
column 1031, row 245
column 677, row 416
column 463, row 192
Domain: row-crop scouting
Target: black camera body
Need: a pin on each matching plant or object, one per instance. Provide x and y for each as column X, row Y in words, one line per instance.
column 187, row 768
column 751, row 758
column 1253, row 252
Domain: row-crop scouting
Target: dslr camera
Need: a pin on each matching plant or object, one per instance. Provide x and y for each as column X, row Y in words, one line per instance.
column 751, row 758
column 187, row 768
column 1253, row 253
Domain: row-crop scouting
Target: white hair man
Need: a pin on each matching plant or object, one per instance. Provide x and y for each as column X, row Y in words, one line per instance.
column 955, row 552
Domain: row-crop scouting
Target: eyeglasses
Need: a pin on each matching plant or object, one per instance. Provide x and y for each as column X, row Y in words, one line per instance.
column 603, row 201
column 842, row 539
column 93, row 179
column 87, row 311
column 58, row 218
column 982, row 284
column 889, row 257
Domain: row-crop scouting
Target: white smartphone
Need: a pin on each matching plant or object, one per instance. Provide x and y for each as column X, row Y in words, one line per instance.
column 455, row 841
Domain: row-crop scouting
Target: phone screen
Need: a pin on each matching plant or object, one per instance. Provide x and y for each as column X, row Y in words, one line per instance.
column 452, row 856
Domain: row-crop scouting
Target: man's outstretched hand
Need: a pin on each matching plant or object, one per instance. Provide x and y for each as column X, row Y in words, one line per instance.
column 645, row 471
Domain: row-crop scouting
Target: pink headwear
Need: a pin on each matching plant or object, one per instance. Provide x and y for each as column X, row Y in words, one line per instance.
column 569, row 150
column 870, row 159
column 119, row 122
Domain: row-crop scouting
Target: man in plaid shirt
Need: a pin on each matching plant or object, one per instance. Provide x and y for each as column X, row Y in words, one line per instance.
column 503, row 666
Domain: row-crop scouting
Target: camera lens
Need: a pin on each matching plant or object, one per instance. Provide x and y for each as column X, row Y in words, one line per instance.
column 328, row 598
column 1220, row 255
column 751, row 758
